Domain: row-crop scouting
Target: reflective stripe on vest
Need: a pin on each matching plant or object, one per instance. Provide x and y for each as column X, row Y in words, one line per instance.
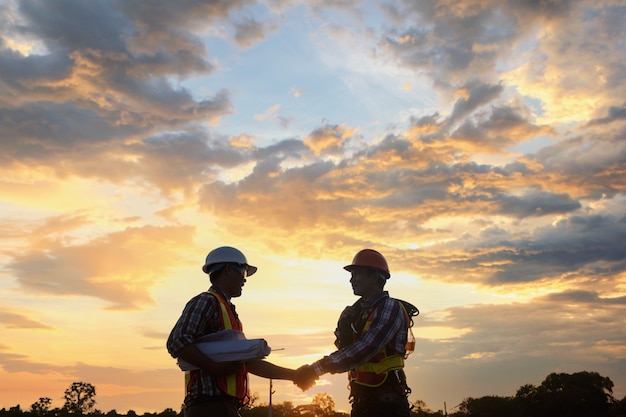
column 235, row 385
column 374, row 373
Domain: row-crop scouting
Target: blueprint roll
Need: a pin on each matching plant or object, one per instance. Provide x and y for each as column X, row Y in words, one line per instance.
column 228, row 346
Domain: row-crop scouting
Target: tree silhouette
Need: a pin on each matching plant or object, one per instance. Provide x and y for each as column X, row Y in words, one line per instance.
column 420, row 409
column 488, row 406
column 79, row 398
column 41, row 407
column 580, row 394
column 325, row 404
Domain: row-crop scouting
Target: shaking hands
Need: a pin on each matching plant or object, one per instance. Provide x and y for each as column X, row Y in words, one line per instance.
column 305, row 377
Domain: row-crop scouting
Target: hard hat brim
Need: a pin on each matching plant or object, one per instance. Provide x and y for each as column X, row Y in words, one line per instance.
column 350, row 267
column 208, row 269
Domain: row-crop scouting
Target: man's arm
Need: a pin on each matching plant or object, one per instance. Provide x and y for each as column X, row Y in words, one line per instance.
column 383, row 328
column 193, row 355
column 267, row 369
column 304, row 380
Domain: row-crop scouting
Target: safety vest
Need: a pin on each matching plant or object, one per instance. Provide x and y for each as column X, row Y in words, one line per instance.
column 374, row 372
column 235, row 385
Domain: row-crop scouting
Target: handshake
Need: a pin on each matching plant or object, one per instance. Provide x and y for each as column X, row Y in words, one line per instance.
column 305, row 377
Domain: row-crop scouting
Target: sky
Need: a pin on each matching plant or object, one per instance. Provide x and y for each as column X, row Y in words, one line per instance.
column 479, row 145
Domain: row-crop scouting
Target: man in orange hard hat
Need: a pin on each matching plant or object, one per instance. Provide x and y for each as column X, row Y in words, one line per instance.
column 219, row 389
column 371, row 340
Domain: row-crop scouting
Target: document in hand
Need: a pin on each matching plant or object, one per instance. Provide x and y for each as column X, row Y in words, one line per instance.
column 228, row 346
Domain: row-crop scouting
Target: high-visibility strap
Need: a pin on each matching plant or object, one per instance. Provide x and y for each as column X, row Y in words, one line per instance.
column 387, row 364
column 228, row 319
column 229, row 322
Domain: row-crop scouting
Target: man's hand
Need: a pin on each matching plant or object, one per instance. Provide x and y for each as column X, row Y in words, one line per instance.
column 305, row 377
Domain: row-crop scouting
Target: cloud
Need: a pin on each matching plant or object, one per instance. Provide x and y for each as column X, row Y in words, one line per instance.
column 126, row 126
column 269, row 113
column 538, row 204
column 585, row 162
column 590, row 298
column 476, row 94
column 582, row 246
column 101, row 86
column 578, row 331
column 118, row 268
column 328, row 139
column 497, row 130
column 451, row 41
column 96, row 375
column 615, row 114
column 14, row 320
column 556, row 323
column 248, row 31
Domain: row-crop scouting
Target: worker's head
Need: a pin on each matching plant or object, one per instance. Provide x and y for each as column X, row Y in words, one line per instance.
column 369, row 272
column 228, row 267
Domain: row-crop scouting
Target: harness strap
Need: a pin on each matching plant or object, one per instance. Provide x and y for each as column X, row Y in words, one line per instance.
column 388, row 364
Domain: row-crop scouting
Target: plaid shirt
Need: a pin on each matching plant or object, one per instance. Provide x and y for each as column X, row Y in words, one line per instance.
column 200, row 317
column 389, row 328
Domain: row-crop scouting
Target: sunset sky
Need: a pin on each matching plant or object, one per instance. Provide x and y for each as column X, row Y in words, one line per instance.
column 480, row 145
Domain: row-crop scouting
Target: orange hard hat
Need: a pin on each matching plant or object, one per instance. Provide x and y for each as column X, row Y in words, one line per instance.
column 369, row 258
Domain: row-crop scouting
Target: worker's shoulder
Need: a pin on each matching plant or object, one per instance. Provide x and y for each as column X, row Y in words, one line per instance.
column 204, row 297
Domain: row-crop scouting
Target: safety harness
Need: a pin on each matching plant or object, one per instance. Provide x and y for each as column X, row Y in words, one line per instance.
column 374, row 372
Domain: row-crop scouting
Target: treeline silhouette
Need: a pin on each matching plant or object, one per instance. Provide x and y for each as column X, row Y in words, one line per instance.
column 582, row 394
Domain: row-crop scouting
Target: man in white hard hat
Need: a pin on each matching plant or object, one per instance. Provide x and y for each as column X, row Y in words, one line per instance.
column 372, row 337
column 219, row 389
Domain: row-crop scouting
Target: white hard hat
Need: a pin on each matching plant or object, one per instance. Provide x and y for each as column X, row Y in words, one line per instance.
column 226, row 254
